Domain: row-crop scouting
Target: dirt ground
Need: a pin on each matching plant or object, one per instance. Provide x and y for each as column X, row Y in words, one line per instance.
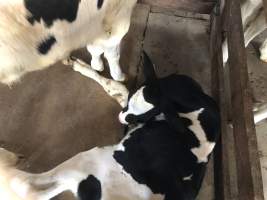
column 53, row 114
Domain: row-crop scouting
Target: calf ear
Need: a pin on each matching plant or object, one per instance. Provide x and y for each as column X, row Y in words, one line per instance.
column 148, row 69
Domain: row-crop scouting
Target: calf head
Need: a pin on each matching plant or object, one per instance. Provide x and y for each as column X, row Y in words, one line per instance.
column 148, row 101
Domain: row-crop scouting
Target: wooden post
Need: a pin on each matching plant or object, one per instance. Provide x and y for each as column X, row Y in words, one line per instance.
column 221, row 166
column 248, row 163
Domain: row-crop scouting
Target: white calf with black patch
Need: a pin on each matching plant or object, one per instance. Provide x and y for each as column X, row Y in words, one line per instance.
column 34, row 34
column 156, row 157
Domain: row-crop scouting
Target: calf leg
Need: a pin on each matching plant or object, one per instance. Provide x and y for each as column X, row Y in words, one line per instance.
column 115, row 89
column 112, row 53
column 116, row 26
column 96, row 62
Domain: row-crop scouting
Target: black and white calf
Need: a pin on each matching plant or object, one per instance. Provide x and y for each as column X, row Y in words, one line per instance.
column 180, row 101
column 36, row 33
column 164, row 154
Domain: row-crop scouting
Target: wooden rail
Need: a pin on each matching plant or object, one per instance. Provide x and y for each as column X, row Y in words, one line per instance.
column 249, row 181
column 221, row 158
column 248, row 174
column 199, row 6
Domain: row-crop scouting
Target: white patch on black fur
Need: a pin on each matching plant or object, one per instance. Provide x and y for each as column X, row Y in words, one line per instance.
column 137, row 105
column 205, row 147
column 188, row 178
column 120, row 145
column 160, row 117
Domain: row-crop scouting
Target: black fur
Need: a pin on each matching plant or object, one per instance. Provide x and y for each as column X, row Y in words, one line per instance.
column 46, row 45
column 159, row 154
column 51, row 10
column 100, row 3
column 90, row 189
column 148, row 69
column 156, row 156
column 176, row 94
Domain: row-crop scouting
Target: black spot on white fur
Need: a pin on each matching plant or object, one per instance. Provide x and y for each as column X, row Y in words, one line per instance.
column 46, row 45
column 100, row 3
column 90, row 189
column 51, row 10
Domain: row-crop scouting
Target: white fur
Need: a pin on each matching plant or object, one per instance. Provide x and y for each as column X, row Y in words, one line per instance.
column 8, row 161
column 205, row 147
column 115, row 182
column 254, row 23
column 115, row 89
column 188, row 178
column 102, row 30
column 136, row 106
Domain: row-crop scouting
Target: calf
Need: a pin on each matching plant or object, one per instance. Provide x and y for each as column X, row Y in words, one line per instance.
column 180, row 101
column 36, row 33
column 155, row 157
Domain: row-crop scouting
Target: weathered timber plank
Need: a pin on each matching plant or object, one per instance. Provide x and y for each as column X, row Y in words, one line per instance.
column 248, row 164
column 221, row 166
column 199, row 6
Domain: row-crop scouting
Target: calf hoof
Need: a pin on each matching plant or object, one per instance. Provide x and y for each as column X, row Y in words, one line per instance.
column 121, row 77
column 97, row 65
column 69, row 61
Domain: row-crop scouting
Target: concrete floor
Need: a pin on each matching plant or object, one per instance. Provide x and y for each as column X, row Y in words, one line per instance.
column 53, row 114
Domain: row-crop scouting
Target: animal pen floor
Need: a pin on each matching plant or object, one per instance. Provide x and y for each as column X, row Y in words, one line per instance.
column 53, row 114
